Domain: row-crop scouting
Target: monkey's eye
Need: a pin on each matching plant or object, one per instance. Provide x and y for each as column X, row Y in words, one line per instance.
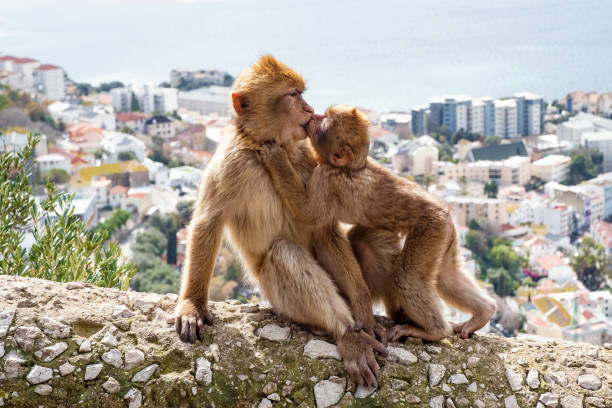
column 293, row 94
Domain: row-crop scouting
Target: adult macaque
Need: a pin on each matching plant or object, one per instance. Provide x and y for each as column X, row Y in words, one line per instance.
column 237, row 194
column 350, row 187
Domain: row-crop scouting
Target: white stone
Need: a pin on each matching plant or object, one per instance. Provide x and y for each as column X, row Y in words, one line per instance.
column 242, row 377
column 479, row 404
column 589, row 382
column 26, row 336
column 533, row 379
column 446, row 388
column 109, row 339
column 412, row 399
column 274, row 332
column 514, row 379
column 458, row 379
column 233, row 302
column 51, row 352
column 133, row 357
column 144, row 374
column 265, row 403
column 85, row 346
column 398, row 384
column 203, row 371
column 571, row 401
column 214, row 350
column 134, row 398
column 433, row 349
column 321, row 349
column 1, row 349
column 111, row 385
column 274, row 397
column 39, row 375
column 472, row 387
column 43, row 389
column 510, row 402
column 437, row 402
column 363, row 391
column 596, row 402
column 450, row 403
column 329, row 392
column 249, row 308
column 269, row 388
column 473, row 362
column 549, row 399
column 92, row 371
column 6, row 318
column 13, row 365
column 54, row 328
column 66, row 369
column 400, row 355
column 423, row 356
column 113, row 357
column 436, row 373
column 558, row 377
column 122, row 311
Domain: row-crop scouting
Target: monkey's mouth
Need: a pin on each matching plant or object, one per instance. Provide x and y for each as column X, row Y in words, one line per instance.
column 310, row 127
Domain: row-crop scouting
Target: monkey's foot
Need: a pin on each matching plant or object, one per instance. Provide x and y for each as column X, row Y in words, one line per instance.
column 407, row 330
column 466, row 328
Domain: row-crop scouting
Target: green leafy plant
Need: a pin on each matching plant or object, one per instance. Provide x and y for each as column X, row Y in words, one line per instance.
column 62, row 249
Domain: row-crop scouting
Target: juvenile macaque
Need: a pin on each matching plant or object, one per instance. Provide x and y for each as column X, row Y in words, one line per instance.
column 348, row 186
column 237, row 195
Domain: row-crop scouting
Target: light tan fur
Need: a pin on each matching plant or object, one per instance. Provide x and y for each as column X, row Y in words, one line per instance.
column 237, row 194
column 350, row 187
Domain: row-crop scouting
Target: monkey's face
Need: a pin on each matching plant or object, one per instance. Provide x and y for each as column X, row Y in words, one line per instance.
column 295, row 116
column 267, row 99
column 341, row 138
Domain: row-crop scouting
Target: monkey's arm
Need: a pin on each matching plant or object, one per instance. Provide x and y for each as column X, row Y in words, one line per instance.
column 205, row 233
column 289, row 185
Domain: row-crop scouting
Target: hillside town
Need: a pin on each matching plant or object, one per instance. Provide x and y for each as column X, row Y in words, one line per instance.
column 529, row 181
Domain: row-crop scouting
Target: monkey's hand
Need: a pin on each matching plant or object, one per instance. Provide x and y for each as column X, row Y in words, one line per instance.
column 272, row 155
column 189, row 319
column 358, row 357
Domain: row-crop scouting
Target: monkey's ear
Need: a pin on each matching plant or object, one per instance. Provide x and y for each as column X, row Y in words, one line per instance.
column 342, row 156
column 354, row 111
column 240, row 103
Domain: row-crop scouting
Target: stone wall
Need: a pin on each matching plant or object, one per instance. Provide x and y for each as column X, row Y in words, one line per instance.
column 68, row 345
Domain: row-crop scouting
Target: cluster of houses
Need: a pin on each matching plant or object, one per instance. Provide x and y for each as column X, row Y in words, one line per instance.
column 146, row 161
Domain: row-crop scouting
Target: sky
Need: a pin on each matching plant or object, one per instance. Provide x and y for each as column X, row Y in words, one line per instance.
column 382, row 55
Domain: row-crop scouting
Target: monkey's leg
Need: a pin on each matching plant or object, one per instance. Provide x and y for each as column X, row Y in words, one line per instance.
column 460, row 290
column 300, row 289
column 333, row 252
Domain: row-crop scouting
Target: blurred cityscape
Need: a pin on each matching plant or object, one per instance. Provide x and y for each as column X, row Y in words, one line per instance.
column 529, row 181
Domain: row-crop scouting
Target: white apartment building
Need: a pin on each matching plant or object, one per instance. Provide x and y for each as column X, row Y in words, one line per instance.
column 49, row 80
column 415, row 157
column 596, row 196
column 601, row 141
column 468, row 208
column 512, row 171
column 573, row 130
column 529, row 113
column 26, row 67
column 554, row 167
column 556, row 216
column 116, row 142
column 477, row 116
column 48, row 162
column 505, row 118
column 206, row 100
column 122, row 99
column 156, row 99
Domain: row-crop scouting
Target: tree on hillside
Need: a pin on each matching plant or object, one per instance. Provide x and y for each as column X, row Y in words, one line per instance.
column 134, row 106
column 591, row 263
column 584, row 165
column 491, row 188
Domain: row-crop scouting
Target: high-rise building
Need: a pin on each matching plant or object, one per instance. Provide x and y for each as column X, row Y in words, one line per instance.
column 505, row 118
column 476, row 117
column 49, row 80
column 420, row 115
column 530, row 114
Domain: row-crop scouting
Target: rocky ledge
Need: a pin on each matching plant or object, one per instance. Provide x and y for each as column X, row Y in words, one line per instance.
column 65, row 345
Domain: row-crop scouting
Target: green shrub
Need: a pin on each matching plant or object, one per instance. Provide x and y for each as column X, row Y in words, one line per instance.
column 62, row 249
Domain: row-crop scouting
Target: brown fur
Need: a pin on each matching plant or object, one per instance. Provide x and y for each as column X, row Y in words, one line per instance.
column 237, row 195
column 350, row 187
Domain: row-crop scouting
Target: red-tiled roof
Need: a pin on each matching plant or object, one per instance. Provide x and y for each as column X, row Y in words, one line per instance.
column 547, row 262
column 129, row 117
column 119, row 190
column 8, row 58
column 24, row 60
column 47, row 67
